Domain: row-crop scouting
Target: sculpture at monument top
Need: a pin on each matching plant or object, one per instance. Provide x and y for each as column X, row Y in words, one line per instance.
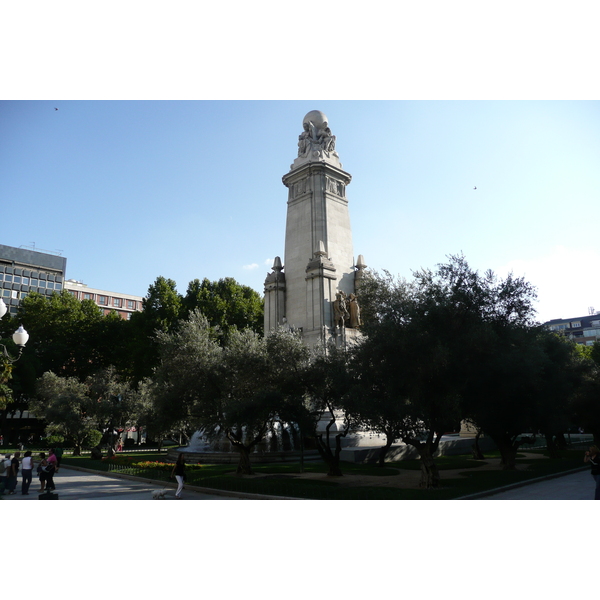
column 316, row 139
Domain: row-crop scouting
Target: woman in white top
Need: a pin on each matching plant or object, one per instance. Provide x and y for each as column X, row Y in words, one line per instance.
column 26, row 473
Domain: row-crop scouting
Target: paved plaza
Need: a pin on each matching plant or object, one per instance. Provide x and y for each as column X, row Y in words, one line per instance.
column 73, row 484
column 575, row 486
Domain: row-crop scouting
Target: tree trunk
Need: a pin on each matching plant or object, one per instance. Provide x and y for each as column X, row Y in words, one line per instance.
column 508, row 452
column 477, row 453
column 552, row 446
column 430, row 475
column 384, row 450
column 244, row 465
column 331, row 458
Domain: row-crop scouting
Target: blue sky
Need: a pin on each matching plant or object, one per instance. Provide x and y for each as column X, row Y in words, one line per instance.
column 130, row 190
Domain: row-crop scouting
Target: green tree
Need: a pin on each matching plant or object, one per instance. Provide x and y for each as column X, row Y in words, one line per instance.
column 226, row 304
column 451, row 344
column 64, row 404
column 68, row 336
column 584, row 407
column 501, row 360
column 161, row 310
column 563, row 372
column 235, row 390
column 115, row 404
column 185, row 382
column 328, row 383
column 412, row 330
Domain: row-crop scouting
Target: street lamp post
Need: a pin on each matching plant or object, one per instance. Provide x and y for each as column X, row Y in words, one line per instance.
column 20, row 337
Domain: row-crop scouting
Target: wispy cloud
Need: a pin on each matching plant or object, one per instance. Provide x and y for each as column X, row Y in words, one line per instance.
column 250, row 267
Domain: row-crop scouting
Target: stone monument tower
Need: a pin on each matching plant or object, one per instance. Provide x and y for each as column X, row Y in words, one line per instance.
column 314, row 291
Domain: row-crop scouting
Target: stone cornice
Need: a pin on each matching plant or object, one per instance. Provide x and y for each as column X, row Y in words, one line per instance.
column 312, row 168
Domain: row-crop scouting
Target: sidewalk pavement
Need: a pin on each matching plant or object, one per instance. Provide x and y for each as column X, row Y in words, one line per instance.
column 579, row 485
column 74, row 484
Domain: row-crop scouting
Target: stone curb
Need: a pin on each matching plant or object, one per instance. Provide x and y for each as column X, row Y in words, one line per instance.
column 169, row 484
column 519, row 484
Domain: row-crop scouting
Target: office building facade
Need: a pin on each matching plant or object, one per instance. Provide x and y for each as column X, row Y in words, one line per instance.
column 23, row 271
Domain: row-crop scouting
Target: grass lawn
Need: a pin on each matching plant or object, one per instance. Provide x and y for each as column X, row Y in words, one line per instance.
column 282, row 479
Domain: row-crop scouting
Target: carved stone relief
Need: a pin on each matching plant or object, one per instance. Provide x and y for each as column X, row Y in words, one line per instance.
column 335, row 187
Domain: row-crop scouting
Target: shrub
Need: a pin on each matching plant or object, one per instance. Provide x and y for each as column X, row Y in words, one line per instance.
column 52, row 440
column 93, row 438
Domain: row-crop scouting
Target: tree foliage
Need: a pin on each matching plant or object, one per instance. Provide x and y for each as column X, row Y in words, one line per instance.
column 448, row 345
column 235, row 390
column 226, row 304
column 64, row 403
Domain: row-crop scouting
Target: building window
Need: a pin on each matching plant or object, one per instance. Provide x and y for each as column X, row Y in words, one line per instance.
column 102, row 300
column 34, row 282
column 130, row 304
column 58, row 286
column 117, row 302
column 25, row 281
column 575, row 324
column 87, row 296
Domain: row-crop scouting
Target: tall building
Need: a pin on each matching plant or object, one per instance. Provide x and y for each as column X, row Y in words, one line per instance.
column 124, row 304
column 23, row 271
column 314, row 292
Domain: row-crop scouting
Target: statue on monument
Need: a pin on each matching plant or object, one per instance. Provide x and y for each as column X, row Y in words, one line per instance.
column 340, row 310
column 316, row 137
column 354, row 309
column 327, row 141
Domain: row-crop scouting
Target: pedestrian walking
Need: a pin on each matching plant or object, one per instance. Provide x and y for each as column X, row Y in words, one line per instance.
column 179, row 472
column 42, row 470
column 58, row 452
column 26, row 473
column 4, row 467
column 13, row 471
column 50, row 470
column 592, row 456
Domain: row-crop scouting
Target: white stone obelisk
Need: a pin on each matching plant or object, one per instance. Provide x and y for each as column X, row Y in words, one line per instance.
column 313, row 291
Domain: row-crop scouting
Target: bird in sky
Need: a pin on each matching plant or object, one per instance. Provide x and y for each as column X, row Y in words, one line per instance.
column 473, row 188
column 55, row 108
